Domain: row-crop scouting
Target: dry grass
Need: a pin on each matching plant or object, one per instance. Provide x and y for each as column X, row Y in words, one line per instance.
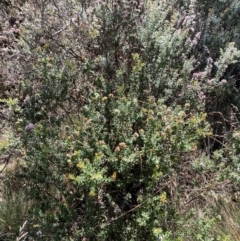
column 230, row 218
column 218, row 214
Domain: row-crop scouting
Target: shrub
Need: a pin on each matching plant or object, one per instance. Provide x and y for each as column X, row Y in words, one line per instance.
column 112, row 108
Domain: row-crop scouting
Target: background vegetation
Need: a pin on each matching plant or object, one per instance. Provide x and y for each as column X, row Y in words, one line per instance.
column 119, row 120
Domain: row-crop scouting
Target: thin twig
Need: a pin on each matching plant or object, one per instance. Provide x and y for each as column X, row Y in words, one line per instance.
column 6, row 159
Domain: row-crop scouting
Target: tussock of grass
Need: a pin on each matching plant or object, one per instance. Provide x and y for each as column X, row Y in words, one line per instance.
column 230, row 218
column 13, row 212
column 216, row 218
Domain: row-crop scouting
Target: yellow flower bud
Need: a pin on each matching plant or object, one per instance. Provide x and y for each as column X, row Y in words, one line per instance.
column 104, row 99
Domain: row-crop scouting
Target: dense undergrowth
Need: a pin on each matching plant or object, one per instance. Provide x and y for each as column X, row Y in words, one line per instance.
column 119, row 120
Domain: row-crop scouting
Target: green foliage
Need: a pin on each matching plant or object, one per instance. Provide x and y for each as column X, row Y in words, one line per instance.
column 203, row 228
column 134, row 108
column 113, row 167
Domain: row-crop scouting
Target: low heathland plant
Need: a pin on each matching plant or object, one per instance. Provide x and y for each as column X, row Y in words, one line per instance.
column 125, row 114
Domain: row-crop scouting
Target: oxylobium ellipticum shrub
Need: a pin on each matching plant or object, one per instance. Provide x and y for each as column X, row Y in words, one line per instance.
column 119, row 95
